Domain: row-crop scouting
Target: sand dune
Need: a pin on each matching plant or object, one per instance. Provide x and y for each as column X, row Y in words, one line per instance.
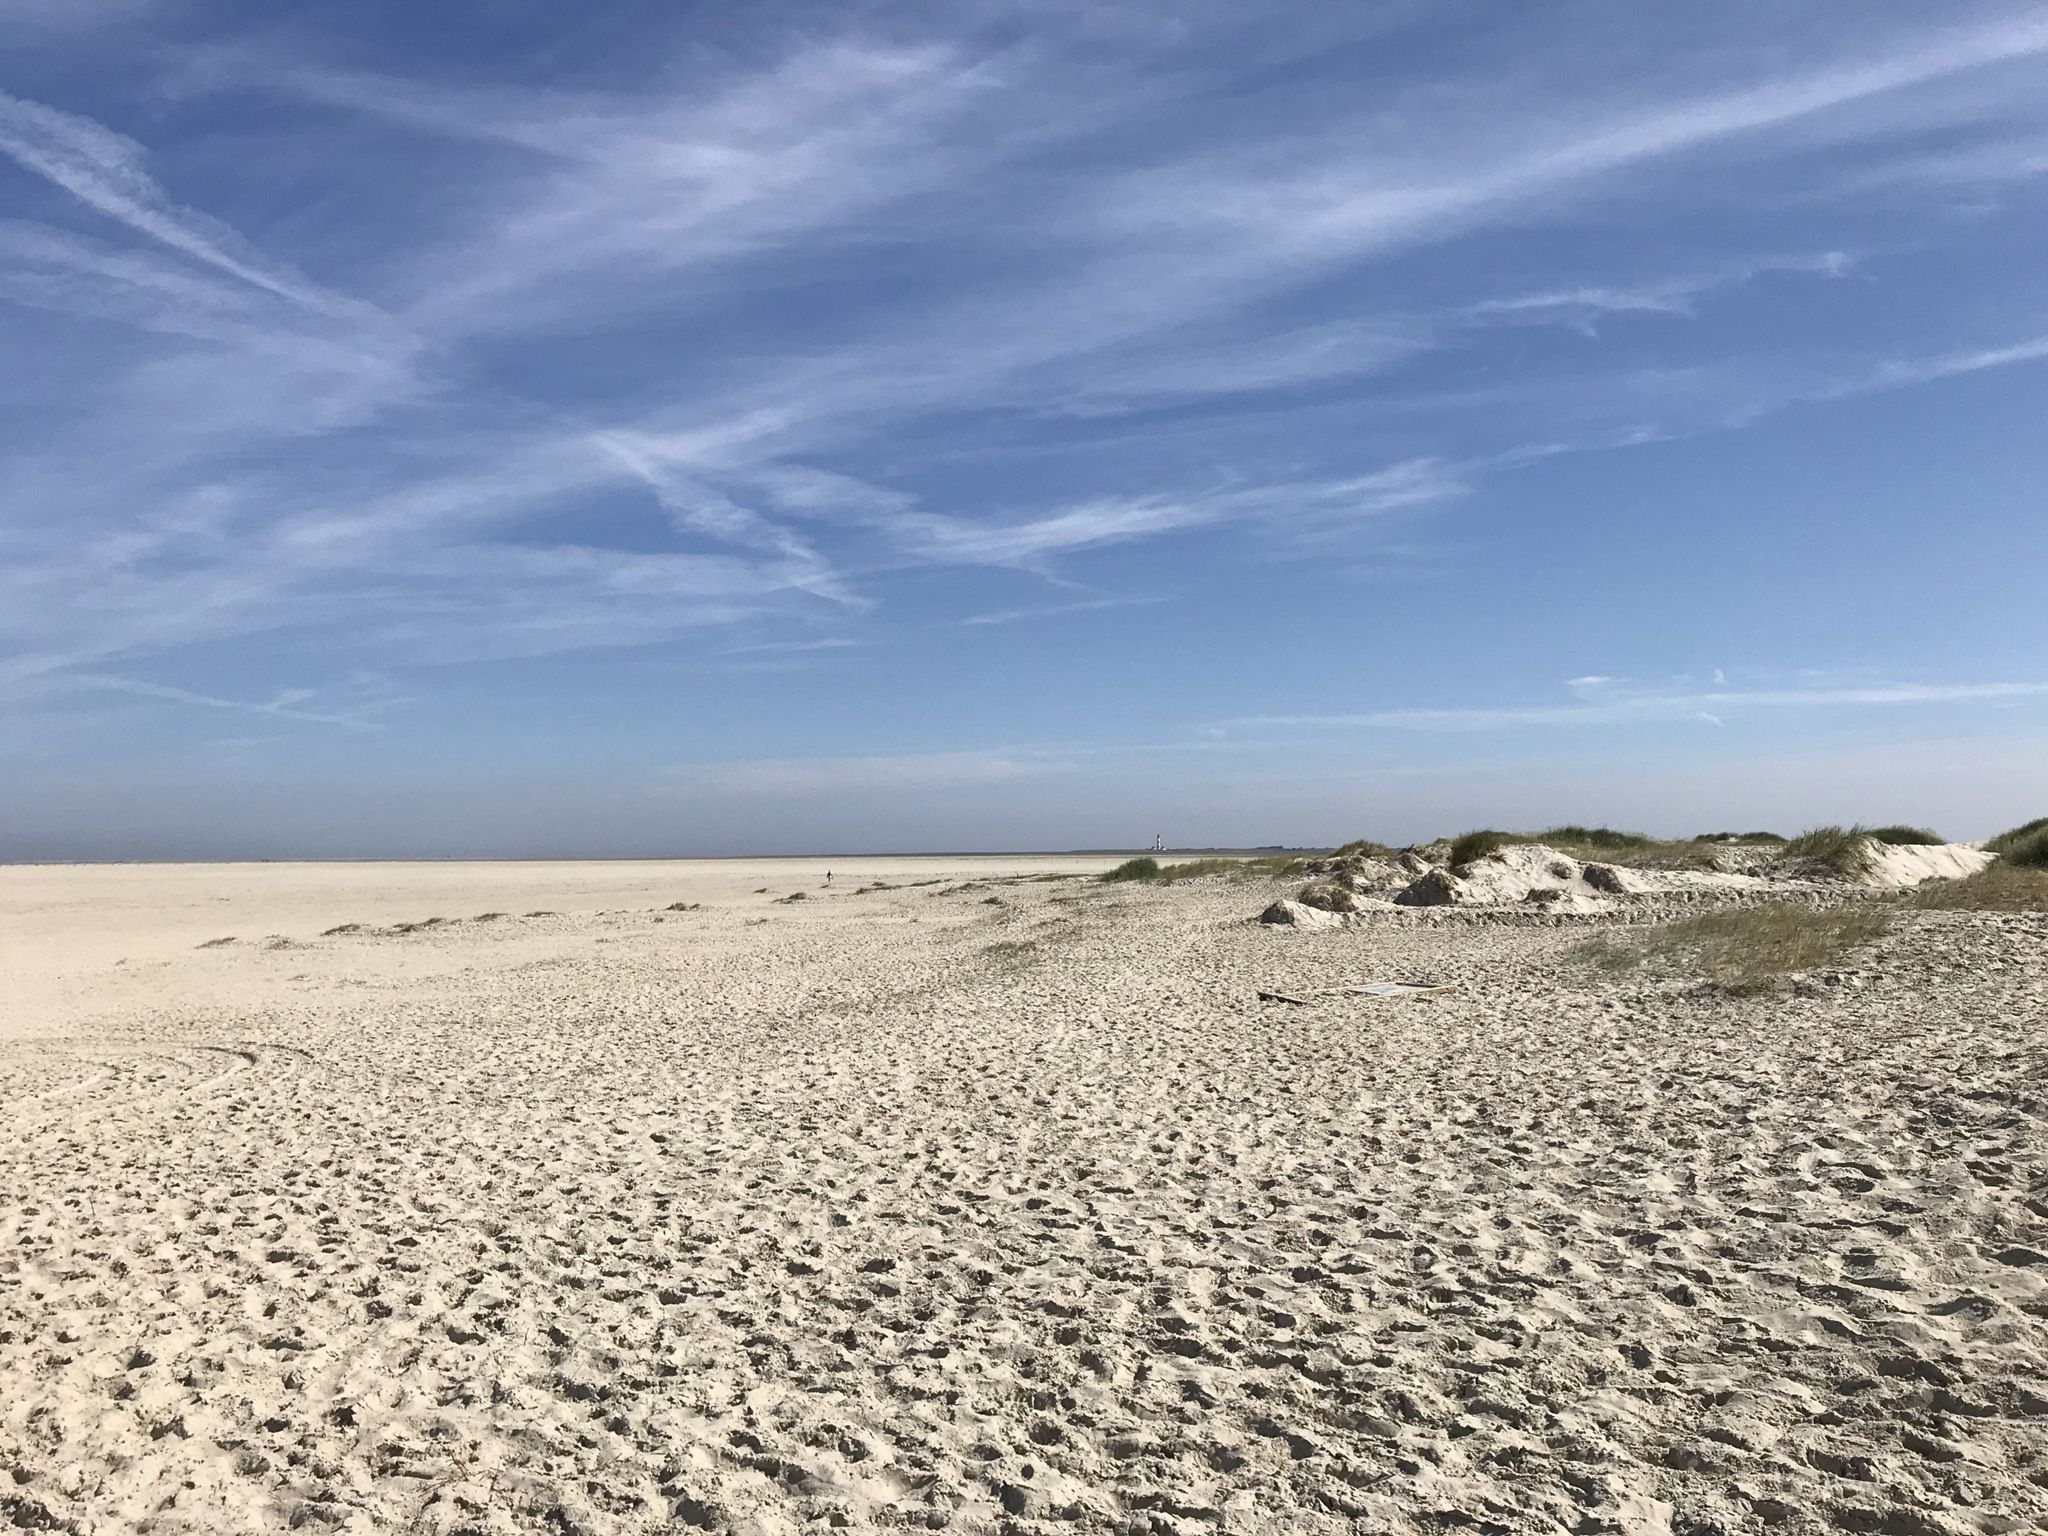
column 990, row 1204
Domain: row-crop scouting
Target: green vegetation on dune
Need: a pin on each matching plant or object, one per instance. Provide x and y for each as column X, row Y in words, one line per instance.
column 1468, row 846
column 1196, row 869
column 2028, row 852
column 1266, row 867
column 1592, row 837
column 1146, row 868
column 1364, row 848
column 1843, row 851
column 1903, row 837
column 1749, row 949
column 1149, row 871
column 1592, row 845
column 2001, row 887
column 2024, row 846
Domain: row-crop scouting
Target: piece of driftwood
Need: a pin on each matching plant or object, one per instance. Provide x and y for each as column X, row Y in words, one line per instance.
column 1364, row 989
column 1396, row 989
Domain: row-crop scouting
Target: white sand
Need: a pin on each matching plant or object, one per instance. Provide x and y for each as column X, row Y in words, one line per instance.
column 1910, row 864
column 912, row 1210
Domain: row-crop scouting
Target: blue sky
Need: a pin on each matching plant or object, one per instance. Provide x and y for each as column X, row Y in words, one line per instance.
column 721, row 428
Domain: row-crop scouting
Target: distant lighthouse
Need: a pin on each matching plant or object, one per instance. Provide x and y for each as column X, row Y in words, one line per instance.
column 1159, row 842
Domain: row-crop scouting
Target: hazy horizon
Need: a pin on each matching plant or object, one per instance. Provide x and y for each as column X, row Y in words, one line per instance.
column 709, row 433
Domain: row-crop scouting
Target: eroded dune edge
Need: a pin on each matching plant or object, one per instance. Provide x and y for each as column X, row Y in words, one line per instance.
column 996, row 1202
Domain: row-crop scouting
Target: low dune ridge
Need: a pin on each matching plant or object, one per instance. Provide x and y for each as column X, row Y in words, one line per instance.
column 684, row 1206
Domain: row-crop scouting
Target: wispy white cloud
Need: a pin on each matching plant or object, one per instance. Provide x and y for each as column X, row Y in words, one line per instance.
column 700, row 509
column 1279, row 207
column 1968, row 171
column 444, row 513
column 107, row 172
column 793, row 647
column 1614, row 701
column 1676, row 295
column 782, row 777
column 1033, row 612
column 632, row 190
column 1121, row 520
column 1925, row 370
column 295, row 704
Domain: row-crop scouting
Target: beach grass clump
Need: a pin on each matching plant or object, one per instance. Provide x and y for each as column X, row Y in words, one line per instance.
column 1149, row 871
column 1468, row 846
column 1740, row 837
column 2027, row 853
column 1904, row 837
column 1364, row 848
column 1650, row 855
column 2024, row 846
column 1145, row 869
column 1327, row 896
column 1999, row 887
column 1742, row 951
column 1196, row 869
column 1843, row 851
column 1603, row 845
column 1272, row 866
column 1605, row 838
column 1012, row 952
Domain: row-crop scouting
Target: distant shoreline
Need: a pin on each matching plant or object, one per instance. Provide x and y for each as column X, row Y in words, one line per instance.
column 667, row 858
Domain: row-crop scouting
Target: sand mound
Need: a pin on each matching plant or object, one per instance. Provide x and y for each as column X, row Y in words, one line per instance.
column 1367, row 877
column 1521, row 872
column 1892, row 866
column 1433, row 888
column 1295, row 914
column 1328, row 896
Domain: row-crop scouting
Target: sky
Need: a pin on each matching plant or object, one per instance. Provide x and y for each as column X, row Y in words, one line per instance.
column 720, row 428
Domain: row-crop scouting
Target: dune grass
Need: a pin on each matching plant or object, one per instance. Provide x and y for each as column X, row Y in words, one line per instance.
column 1843, row 851
column 1013, row 952
column 1591, row 837
column 1742, row 951
column 1468, row 846
column 2001, row 887
column 2024, row 846
column 1149, row 871
column 1146, row 868
column 1197, row 869
column 1904, row 837
column 1591, row 845
column 2028, row 853
column 1654, row 854
column 1739, row 837
column 1364, row 848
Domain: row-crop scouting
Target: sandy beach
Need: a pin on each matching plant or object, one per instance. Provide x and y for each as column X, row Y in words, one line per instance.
column 639, row 1198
